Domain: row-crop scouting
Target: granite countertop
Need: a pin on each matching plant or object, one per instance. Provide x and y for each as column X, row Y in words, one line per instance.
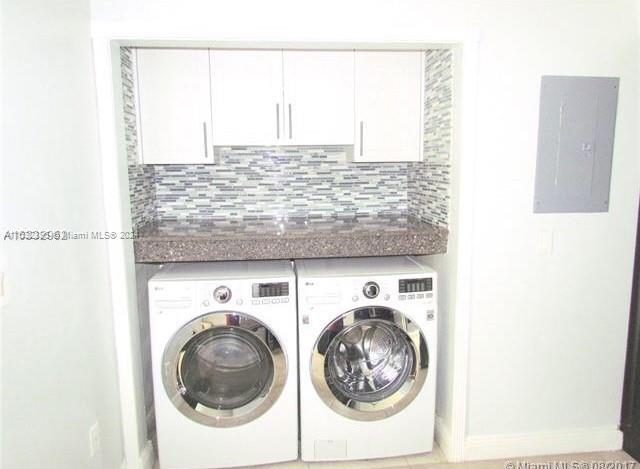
column 197, row 240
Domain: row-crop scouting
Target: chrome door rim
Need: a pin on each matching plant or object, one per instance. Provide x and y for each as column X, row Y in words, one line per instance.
column 376, row 410
column 209, row 416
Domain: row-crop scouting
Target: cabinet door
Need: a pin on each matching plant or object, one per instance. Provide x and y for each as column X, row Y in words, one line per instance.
column 247, row 97
column 318, row 97
column 174, row 105
column 388, row 106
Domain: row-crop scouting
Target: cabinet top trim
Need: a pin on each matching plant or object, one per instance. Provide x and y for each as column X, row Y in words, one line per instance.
column 368, row 46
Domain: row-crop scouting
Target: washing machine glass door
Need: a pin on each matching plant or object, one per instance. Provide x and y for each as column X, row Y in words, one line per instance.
column 224, row 369
column 369, row 363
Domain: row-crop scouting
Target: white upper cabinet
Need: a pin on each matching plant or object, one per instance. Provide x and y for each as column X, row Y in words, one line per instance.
column 192, row 99
column 247, row 97
column 318, row 97
column 388, row 106
column 174, row 99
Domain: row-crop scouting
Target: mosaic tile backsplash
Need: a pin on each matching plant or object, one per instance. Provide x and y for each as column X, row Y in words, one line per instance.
column 428, row 181
column 428, row 192
column 267, row 182
column 141, row 182
column 291, row 182
column 438, row 95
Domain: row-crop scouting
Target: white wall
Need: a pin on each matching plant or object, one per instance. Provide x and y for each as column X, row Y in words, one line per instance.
column 58, row 367
column 547, row 331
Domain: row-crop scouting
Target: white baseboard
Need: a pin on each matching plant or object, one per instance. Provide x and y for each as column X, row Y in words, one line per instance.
column 147, row 456
column 443, row 438
column 543, row 443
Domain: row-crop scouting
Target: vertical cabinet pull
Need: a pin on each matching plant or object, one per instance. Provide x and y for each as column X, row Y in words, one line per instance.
column 361, row 136
column 290, row 124
column 206, row 145
column 277, row 120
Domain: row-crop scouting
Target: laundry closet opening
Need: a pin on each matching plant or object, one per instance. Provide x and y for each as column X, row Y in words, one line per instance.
column 249, row 150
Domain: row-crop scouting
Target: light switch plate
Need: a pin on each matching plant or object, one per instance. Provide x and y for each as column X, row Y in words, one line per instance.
column 545, row 242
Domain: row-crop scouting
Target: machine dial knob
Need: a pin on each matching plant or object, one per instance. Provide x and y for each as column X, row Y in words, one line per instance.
column 222, row 294
column 371, row 289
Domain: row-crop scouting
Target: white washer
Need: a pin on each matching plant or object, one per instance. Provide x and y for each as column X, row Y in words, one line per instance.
column 367, row 340
column 223, row 347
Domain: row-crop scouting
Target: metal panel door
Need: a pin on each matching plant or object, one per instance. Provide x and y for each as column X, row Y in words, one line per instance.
column 575, row 144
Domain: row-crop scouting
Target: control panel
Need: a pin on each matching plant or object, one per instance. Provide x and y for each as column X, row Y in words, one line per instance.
column 415, row 285
column 270, row 293
column 415, row 289
column 237, row 293
column 262, row 290
column 407, row 289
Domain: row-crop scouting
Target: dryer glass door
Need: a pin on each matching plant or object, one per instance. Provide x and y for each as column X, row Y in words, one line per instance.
column 369, row 363
column 224, row 369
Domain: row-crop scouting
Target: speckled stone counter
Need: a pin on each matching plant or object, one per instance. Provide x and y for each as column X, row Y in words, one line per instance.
column 189, row 241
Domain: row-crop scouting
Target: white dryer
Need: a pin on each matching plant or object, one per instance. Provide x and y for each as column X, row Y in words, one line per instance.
column 367, row 340
column 223, row 340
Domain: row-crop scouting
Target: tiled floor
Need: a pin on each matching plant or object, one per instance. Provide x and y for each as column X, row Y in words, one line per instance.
column 435, row 460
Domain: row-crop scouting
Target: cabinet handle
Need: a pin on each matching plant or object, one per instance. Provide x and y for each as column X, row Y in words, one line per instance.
column 290, row 125
column 277, row 120
column 206, row 145
column 361, row 135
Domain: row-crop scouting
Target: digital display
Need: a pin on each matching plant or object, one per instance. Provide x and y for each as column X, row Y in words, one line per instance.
column 261, row 290
column 416, row 285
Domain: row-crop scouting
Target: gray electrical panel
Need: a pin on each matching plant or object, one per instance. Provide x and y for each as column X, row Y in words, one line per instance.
column 575, row 144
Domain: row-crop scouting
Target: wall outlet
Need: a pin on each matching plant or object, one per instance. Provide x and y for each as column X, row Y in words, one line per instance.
column 94, row 440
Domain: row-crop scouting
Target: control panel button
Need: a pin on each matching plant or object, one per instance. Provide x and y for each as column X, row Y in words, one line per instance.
column 266, row 301
column 255, row 302
column 411, row 297
column 402, row 297
column 371, row 290
column 222, row 294
column 275, row 300
column 420, row 296
column 354, row 298
column 430, row 315
column 238, row 301
column 205, row 303
column 284, row 300
column 387, row 297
